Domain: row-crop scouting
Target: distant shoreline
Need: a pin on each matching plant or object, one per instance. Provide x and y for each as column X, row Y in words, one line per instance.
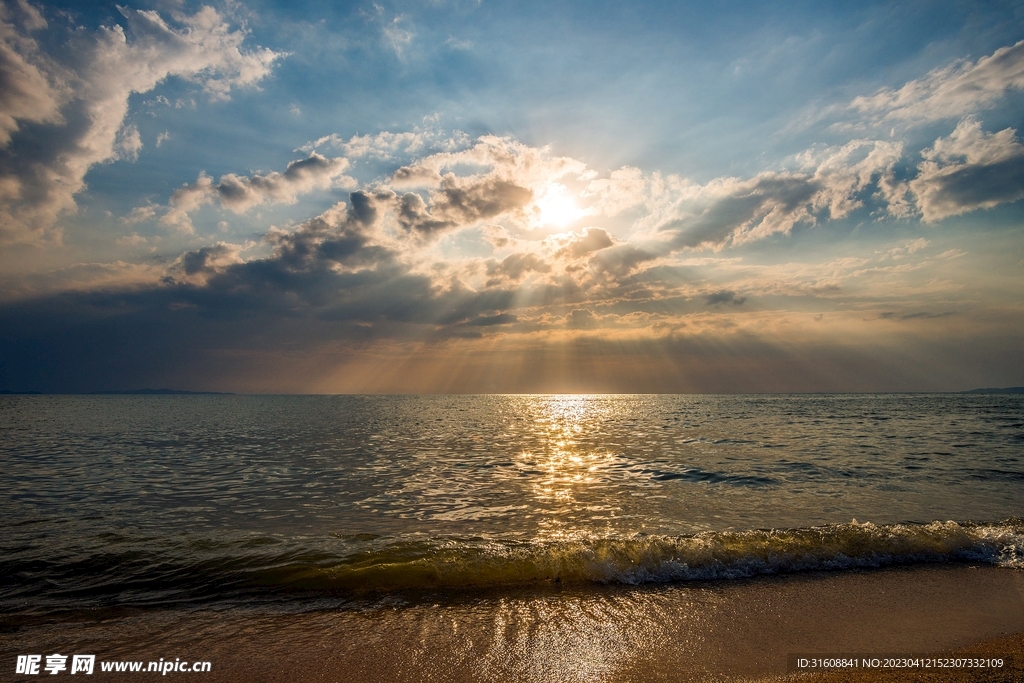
column 180, row 392
column 132, row 392
column 1005, row 390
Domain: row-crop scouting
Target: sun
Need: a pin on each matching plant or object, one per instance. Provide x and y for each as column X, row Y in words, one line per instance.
column 556, row 207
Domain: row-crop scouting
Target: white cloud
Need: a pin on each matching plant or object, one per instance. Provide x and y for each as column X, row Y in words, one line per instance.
column 241, row 193
column 623, row 189
column 457, row 44
column 500, row 179
column 396, row 36
column 31, row 88
column 831, row 182
column 32, row 18
column 845, row 172
column 140, row 214
column 129, row 142
column 969, row 170
column 133, row 240
column 950, row 92
column 187, row 199
column 494, row 178
column 93, row 94
column 383, row 145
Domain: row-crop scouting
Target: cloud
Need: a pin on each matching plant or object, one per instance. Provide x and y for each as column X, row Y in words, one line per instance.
column 724, row 296
column 337, row 289
column 623, row 189
column 843, row 173
column 414, row 177
column 457, row 44
column 31, row 88
column 736, row 211
column 461, row 202
column 332, row 267
column 396, row 36
column 383, row 145
column 907, row 248
column 951, row 91
column 514, row 267
column 140, row 214
column 128, row 143
column 133, row 240
column 593, row 239
column 621, row 259
column 195, row 266
column 914, row 246
column 493, row 178
column 969, row 170
column 32, row 18
column 240, row 193
column 492, row 320
column 79, row 108
column 494, row 156
column 581, row 319
column 337, row 237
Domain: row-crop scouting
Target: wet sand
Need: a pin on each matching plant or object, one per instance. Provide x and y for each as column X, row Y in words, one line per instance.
column 740, row 630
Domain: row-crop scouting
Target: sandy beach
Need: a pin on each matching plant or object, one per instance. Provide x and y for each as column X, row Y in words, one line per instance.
column 740, row 630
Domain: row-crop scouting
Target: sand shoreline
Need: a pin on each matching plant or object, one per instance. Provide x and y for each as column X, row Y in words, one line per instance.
column 739, row 630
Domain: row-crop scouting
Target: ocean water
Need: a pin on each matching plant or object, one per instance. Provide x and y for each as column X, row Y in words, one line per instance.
column 115, row 502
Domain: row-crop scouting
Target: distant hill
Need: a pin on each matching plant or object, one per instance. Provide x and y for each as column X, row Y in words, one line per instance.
column 1005, row 390
column 133, row 392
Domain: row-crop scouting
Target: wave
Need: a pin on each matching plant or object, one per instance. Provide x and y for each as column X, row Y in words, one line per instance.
column 351, row 565
column 654, row 559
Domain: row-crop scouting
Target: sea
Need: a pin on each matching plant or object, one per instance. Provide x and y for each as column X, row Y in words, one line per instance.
column 148, row 502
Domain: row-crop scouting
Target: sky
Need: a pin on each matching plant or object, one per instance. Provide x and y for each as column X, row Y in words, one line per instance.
column 485, row 196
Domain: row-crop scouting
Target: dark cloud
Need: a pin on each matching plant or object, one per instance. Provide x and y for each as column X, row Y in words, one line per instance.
column 515, row 266
column 491, row 320
column 242, row 192
column 581, row 319
column 204, row 260
column 972, row 187
column 923, row 314
column 367, row 206
column 890, row 315
column 460, row 202
column 620, row 260
column 414, row 215
column 415, row 176
column 724, row 296
column 326, row 283
column 969, row 170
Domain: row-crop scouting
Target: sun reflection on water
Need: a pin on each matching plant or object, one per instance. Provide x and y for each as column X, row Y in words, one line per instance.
column 560, row 470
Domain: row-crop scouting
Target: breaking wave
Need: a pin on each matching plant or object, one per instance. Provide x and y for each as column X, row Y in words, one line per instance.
column 152, row 572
